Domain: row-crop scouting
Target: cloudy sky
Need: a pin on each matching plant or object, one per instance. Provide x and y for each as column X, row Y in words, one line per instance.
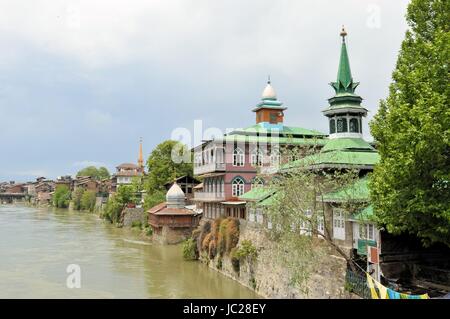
column 81, row 81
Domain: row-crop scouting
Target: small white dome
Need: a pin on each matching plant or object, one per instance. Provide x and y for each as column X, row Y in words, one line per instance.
column 269, row 93
column 175, row 196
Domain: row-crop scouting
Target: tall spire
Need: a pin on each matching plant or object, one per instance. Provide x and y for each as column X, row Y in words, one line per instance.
column 141, row 157
column 344, row 82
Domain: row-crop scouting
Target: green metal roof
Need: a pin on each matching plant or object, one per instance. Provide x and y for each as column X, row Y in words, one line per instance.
column 272, row 140
column 365, row 215
column 257, row 194
column 336, row 158
column 344, row 82
column 358, row 191
column 282, row 130
column 347, row 144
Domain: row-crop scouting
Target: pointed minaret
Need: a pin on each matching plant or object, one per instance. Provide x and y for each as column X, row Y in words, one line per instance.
column 141, row 156
column 269, row 111
column 345, row 112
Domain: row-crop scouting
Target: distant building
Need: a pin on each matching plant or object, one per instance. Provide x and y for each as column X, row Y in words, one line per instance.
column 127, row 171
column 87, row 183
column 173, row 221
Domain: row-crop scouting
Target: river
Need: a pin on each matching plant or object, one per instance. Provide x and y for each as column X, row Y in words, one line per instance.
column 38, row 244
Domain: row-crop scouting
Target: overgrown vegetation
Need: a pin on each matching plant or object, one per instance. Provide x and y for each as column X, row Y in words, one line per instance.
column 116, row 203
column 299, row 206
column 61, row 197
column 190, row 249
column 87, row 201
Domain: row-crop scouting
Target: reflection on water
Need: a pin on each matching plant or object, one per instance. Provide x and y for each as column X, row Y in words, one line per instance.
column 37, row 244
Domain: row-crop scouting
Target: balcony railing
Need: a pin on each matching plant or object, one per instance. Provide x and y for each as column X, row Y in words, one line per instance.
column 209, row 196
column 209, row 168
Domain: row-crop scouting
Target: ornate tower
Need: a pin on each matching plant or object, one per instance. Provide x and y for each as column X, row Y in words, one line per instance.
column 141, row 157
column 345, row 112
column 269, row 110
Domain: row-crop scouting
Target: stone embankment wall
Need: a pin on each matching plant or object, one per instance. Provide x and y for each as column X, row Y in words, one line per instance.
column 271, row 279
column 133, row 215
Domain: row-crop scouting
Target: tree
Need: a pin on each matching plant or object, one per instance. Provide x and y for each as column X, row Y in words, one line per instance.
column 61, row 197
column 94, row 172
column 163, row 167
column 88, row 200
column 76, row 198
column 297, row 207
column 124, row 195
column 410, row 185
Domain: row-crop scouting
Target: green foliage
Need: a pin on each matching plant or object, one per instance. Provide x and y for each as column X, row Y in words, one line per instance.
column 61, row 197
column 149, row 231
column 235, row 261
column 125, row 195
column 247, row 251
column 94, row 172
column 155, row 198
column 219, row 237
column 112, row 210
column 410, row 186
column 76, row 198
column 190, row 249
column 88, row 200
column 136, row 224
column 162, row 169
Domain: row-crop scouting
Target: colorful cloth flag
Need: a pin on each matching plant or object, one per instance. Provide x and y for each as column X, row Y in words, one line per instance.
column 373, row 292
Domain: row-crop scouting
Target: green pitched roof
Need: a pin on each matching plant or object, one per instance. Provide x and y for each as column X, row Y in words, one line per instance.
column 358, row 191
column 335, row 158
column 347, row 144
column 272, row 140
column 257, row 194
column 365, row 215
column 281, row 130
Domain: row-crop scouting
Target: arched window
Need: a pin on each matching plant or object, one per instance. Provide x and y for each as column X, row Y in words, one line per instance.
column 354, row 125
column 275, row 157
column 332, row 126
column 238, row 157
column 237, row 187
column 341, row 125
column 256, row 158
column 257, row 182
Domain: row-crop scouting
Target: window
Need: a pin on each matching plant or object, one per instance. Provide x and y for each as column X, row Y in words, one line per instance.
column 305, row 224
column 273, row 118
column 332, row 126
column 367, row 231
column 275, row 157
column 256, row 158
column 238, row 157
column 354, row 126
column 341, row 125
column 257, row 182
column 320, row 225
column 237, row 187
column 338, row 224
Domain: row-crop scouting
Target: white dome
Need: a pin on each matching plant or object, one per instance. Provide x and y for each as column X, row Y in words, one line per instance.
column 175, row 196
column 269, row 92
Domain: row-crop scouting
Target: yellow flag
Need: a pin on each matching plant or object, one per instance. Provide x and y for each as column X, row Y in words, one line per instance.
column 373, row 292
column 382, row 289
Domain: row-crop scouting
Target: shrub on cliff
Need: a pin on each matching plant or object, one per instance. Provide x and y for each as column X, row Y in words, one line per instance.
column 190, row 249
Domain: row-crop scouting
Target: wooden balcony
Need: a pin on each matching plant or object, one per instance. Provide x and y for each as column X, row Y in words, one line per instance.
column 209, row 168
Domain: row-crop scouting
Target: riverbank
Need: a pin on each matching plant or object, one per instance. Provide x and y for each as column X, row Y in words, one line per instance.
column 37, row 244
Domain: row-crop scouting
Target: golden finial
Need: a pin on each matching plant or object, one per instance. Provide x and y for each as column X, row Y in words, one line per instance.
column 343, row 33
